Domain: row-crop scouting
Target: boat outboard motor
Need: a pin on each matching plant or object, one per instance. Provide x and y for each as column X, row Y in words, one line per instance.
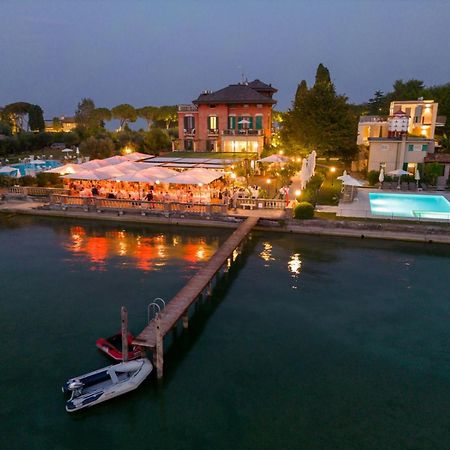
column 74, row 385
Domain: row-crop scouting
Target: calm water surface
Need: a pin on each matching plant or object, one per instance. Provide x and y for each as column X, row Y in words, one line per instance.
column 312, row 344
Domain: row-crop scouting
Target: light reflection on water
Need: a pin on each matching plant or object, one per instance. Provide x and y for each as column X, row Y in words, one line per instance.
column 295, row 267
column 266, row 253
column 142, row 252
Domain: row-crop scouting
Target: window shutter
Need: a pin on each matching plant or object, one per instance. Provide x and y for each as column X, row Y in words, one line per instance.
column 410, row 147
column 239, row 123
column 425, row 147
column 405, row 166
column 250, row 125
column 208, row 123
column 258, row 122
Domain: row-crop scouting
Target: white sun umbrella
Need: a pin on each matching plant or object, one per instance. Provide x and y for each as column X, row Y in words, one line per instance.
column 195, row 176
column 304, row 174
column 85, row 175
column 9, row 170
column 244, row 122
column 94, row 164
column 37, row 161
column 417, row 178
column 398, row 173
column 63, row 170
column 313, row 162
column 115, row 160
column 111, row 172
column 280, row 159
column 135, row 156
column 157, row 173
column 67, row 150
column 381, row 177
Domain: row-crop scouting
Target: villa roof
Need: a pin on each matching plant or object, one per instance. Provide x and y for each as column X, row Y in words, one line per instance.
column 234, row 94
column 260, row 86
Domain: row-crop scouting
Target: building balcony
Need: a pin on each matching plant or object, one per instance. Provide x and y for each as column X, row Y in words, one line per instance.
column 187, row 108
column 244, row 132
column 189, row 133
column 441, row 121
column 372, row 119
column 213, row 132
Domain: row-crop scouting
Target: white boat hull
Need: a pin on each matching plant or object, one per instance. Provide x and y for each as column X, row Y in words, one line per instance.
column 104, row 384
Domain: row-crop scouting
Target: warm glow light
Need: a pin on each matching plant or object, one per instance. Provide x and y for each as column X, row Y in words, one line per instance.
column 281, row 152
column 298, row 192
column 332, row 169
column 157, row 181
column 299, row 159
column 127, row 150
column 200, row 184
column 233, row 175
column 268, row 181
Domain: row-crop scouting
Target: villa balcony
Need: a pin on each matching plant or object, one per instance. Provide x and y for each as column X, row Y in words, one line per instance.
column 187, row 108
column 243, row 132
column 372, row 119
column 440, row 121
column 189, row 133
column 213, row 132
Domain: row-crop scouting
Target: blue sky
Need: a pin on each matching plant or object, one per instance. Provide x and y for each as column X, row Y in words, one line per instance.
column 54, row 52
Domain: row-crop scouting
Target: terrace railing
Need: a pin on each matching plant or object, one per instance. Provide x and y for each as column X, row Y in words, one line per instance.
column 137, row 206
column 37, row 191
column 261, row 203
column 243, row 132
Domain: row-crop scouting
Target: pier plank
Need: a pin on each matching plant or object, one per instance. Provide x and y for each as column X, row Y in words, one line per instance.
column 180, row 303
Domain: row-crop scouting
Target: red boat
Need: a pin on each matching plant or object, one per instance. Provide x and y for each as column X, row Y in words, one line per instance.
column 112, row 346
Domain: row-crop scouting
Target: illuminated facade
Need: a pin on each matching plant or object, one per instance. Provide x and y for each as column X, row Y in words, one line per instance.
column 67, row 124
column 402, row 140
column 236, row 119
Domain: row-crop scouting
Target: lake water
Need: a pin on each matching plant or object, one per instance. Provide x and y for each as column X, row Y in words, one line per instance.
column 314, row 343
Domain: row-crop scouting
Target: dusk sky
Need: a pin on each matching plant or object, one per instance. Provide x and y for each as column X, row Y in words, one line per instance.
column 53, row 53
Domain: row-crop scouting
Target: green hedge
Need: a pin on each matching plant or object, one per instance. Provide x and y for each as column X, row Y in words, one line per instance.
column 304, row 210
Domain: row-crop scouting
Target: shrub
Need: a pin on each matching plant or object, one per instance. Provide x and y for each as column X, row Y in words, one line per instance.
column 304, row 210
column 48, row 179
column 372, row 177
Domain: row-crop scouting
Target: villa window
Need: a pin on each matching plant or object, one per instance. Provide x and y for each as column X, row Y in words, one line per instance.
column 213, row 123
column 410, row 147
column 425, row 147
column 189, row 123
column 259, row 122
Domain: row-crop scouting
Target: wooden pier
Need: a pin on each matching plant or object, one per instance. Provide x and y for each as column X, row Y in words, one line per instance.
column 153, row 334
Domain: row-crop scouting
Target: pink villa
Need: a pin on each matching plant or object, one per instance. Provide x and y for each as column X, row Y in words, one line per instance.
column 235, row 119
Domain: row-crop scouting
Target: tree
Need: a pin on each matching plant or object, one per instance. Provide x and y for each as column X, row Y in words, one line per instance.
column 148, row 113
column 378, row 104
column 97, row 148
column 409, row 90
column 15, row 113
column 100, row 116
column 85, row 116
column 320, row 120
column 125, row 113
column 167, row 114
column 36, row 118
column 156, row 140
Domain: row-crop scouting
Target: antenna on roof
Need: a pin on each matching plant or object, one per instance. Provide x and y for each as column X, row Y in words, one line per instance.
column 243, row 77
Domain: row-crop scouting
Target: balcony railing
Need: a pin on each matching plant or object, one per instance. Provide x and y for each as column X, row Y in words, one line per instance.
column 187, row 108
column 213, row 132
column 372, row 119
column 244, row 132
column 190, row 132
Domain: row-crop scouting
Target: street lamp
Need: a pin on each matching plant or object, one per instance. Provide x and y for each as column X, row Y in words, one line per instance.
column 332, row 170
column 298, row 192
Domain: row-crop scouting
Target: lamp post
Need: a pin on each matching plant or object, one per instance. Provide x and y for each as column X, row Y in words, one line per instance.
column 332, row 171
column 268, row 181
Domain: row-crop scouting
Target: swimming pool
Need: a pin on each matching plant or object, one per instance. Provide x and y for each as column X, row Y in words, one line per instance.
column 409, row 205
column 31, row 169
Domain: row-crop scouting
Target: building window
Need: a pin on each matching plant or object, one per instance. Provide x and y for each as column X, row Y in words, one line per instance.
column 189, row 124
column 245, row 106
column 209, row 146
column 410, row 147
column 425, row 147
column 259, row 105
column 213, row 123
column 212, row 106
column 259, row 122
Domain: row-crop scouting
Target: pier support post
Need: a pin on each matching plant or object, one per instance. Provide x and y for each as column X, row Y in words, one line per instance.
column 124, row 330
column 159, row 348
column 185, row 320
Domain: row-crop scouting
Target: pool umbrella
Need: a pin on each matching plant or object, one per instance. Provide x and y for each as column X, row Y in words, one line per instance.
column 398, row 173
column 67, row 150
column 274, row 159
column 381, row 177
column 347, row 180
column 417, row 178
column 244, row 122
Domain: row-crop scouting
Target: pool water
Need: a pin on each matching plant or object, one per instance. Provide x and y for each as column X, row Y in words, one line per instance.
column 408, row 205
column 31, row 169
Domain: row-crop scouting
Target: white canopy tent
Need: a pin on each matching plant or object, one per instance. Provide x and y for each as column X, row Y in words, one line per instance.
column 280, row 159
column 85, row 175
column 136, row 156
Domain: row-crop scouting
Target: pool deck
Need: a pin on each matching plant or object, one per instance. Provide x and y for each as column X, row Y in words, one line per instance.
column 271, row 221
column 360, row 207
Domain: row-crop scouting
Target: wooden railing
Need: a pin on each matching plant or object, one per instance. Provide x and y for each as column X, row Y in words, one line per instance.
column 37, row 191
column 261, row 203
column 136, row 206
